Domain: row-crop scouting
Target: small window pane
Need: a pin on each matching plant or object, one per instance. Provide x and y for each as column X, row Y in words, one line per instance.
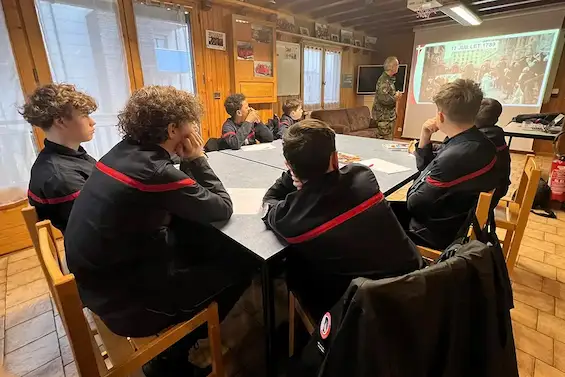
column 165, row 46
column 85, row 48
column 312, row 78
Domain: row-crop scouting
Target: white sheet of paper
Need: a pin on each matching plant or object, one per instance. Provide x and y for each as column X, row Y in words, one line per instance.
column 257, row 147
column 247, row 201
column 383, row 166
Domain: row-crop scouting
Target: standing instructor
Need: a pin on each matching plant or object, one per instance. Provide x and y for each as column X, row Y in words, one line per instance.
column 384, row 106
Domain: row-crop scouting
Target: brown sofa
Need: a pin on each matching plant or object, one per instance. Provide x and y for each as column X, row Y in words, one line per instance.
column 356, row 121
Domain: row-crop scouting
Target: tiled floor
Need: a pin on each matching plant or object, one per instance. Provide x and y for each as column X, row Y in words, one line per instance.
column 33, row 342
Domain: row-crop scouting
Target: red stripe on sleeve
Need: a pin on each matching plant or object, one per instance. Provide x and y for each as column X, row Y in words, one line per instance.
column 501, row 148
column 467, row 177
column 143, row 186
column 319, row 230
column 59, row 200
column 228, row 134
column 251, row 134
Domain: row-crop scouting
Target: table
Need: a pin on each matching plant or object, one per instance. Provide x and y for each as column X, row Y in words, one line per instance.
column 363, row 147
column 258, row 170
column 514, row 129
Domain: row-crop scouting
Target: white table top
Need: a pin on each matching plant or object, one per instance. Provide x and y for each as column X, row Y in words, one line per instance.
column 521, row 130
column 366, row 148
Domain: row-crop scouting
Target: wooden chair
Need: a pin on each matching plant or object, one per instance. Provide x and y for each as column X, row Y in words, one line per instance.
column 30, row 218
column 127, row 355
column 293, row 308
column 481, row 212
column 512, row 215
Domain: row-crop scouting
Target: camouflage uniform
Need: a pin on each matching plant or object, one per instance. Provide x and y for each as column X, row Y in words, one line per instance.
column 384, row 107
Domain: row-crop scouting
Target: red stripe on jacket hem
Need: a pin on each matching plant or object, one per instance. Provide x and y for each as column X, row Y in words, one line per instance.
column 121, row 177
column 60, row 200
column 483, row 170
column 228, row 134
column 319, row 230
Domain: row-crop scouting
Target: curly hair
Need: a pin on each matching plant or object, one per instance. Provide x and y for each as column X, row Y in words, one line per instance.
column 53, row 101
column 148, row 113
column 291, row 105
column 233, row 103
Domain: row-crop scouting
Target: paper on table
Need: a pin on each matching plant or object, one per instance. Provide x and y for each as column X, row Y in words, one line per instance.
column 258, row 147
column 384, row 166
column 246, row 201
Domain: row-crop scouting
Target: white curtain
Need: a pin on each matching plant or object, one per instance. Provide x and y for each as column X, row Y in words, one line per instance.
column 17, row 149
column 165, row 45
column 85, row 48
column 332, row 75
column 313, row 77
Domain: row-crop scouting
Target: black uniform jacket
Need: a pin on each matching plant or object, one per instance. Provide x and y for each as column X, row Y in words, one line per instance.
column 57, row 177
column 246, row 133
column 341, row 227
column 449, row 185
column 448, row 320
column 285, row 122
column 496, row 135
column 117, row 240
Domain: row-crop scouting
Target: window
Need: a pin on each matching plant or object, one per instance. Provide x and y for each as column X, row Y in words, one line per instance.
column 17, row 149
column 84, row 45
column 165, row 46
column 313, row 64
column 332, row 76
column 322, row 73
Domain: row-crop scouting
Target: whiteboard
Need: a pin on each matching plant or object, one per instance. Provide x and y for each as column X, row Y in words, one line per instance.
column 288, row 69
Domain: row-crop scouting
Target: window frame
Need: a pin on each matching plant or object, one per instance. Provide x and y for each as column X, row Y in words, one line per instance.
column 324, row 48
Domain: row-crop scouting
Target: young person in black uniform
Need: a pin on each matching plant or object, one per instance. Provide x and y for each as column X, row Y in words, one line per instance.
column 62, row 167
column 139, row 241
column 292, row 113
column 486, row 122
column 337, row 220
column 451, row 179
column 244, row 126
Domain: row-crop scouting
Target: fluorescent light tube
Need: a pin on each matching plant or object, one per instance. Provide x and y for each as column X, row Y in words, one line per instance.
column 462, row 14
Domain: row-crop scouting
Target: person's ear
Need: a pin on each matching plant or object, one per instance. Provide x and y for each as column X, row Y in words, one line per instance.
column 172, row 130
column 59, row 123
column 239, row 113
column 440, row 117
column 334, row 161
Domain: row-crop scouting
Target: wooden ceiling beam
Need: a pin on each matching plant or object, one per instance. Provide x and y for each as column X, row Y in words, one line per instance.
column 396, row 13
column 357, row 9
column 316, row 5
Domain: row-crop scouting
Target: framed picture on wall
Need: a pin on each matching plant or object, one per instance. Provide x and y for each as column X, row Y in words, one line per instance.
column 347, row 37
column 335, row 38
column 304, row 31
column 322, row 31
column 370, row 42
column 358, row 43
column 215, row 40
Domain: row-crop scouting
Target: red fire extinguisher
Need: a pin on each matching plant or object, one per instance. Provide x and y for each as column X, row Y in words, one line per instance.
column 557, row 172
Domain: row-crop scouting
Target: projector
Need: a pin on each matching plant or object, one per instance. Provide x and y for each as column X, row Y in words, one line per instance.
column 416, row 5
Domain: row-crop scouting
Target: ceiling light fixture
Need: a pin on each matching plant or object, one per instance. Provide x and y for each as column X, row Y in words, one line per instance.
column 462, row 14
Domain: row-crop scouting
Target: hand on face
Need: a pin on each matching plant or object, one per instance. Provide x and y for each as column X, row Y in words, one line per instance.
column 191, row 147
column 295, row 180
column 430, row 126
column 252, row 116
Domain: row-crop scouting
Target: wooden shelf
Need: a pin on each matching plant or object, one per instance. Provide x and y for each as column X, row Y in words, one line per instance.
column 325, row 41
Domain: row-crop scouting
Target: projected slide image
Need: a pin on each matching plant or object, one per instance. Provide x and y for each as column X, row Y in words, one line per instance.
column 511, row 68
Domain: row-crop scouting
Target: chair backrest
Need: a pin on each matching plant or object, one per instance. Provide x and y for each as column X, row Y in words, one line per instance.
column 523, row 204
column 481, row 212
column 30, row 218
column 64, row 290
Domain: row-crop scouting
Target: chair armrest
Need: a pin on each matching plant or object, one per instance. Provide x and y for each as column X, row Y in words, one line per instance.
column 341, row 129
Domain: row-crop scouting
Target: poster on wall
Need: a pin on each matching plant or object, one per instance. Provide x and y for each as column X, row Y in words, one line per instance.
column 261, row 34
column 288, row 68
column 215, row 40
column 347, row 37
column 263, row 69
column 286, row 23
column 244, row 51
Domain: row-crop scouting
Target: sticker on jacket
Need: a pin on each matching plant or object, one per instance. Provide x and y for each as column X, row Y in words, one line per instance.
column 326, row 326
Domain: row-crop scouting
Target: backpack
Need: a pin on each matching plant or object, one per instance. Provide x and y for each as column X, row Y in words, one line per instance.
column 542, row 200
column 273, row 125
